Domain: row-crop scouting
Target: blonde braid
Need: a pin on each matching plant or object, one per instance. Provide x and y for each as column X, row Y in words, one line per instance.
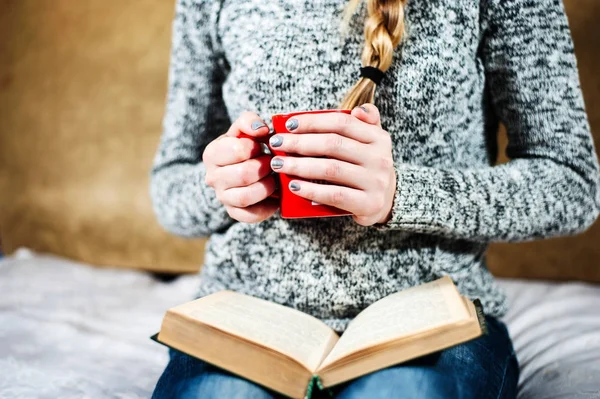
column 384, row 29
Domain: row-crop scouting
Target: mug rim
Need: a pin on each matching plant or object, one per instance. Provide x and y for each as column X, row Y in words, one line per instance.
column 316, row 111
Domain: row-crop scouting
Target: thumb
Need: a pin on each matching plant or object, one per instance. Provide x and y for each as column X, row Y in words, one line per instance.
column 248, row 125
column 367, row 113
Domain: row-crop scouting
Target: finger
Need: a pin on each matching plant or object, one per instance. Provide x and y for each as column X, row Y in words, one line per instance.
column 242, row 174
column 230, row 150
column 324, row 144
column 242, row 197
column 333, row 122
column 364, row 220
column 254, row 213
column 348, row 199
column 330, row 170
column 248, row 123
column 367, row 113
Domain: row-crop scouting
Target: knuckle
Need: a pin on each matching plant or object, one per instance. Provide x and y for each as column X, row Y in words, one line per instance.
column 386, row 163
column 209, row 154
column 231, row 211
column 240, row 151
column 380, row 183
column 337, row 197
column 243, row 199
column 245, row 175
column 343, row 120
column 333, row 170
column 333, row 143
column 235, row 213
column 209, row 180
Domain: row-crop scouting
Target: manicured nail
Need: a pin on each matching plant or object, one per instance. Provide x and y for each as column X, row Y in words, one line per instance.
column 277, row 163
column 294, row 186
column 265, row 149
column 276, row 141
column 291, row 124
column 257, row 125
column 364, row 109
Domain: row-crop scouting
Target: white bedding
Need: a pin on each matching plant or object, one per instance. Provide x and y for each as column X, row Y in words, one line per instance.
column 69, row 330
column 555, row 329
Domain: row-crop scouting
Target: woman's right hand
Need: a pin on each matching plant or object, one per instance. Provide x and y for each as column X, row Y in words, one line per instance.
column 239, row 172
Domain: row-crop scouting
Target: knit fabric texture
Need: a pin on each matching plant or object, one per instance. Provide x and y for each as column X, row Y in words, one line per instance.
column 462, row 68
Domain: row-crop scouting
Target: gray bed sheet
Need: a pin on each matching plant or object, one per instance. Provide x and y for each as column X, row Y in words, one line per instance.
column 69, row 330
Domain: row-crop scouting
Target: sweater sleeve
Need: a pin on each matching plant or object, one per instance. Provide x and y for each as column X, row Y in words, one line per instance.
column 195, row 115
column 551, row 185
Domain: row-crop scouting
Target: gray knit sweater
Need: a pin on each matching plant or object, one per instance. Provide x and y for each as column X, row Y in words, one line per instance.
column 464, row 67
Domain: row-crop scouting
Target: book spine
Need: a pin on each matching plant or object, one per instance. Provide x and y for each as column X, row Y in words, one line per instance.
column 480, row 316
column 311, row 386
column 315, row 383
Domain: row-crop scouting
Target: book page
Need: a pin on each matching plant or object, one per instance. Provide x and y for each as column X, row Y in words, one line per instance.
column 285, row 330
column 405, row 313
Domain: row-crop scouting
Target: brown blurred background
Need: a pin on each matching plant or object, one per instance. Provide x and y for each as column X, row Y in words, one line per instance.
column 82, row 87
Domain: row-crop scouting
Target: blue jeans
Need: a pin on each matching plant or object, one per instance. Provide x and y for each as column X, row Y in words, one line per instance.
column 480, row 369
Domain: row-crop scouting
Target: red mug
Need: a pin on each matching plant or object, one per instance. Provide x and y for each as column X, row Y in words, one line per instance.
column 292, row 205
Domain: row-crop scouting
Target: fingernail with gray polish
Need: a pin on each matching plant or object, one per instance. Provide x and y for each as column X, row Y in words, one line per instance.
column 276, row 141
column 294, row 186
column 291, row 124
column 265, row 149
column 277, row 163
column 257, row 125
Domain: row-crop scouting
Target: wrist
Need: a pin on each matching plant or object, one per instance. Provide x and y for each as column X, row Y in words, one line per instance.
column 390, row 200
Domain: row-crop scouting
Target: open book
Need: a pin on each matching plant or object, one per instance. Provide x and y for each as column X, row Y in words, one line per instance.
column 290, row 352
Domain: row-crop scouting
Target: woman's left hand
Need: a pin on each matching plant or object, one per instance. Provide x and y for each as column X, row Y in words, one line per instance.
column 359, row 162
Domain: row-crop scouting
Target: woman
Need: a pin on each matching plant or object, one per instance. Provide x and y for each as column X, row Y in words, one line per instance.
column 412, row 163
